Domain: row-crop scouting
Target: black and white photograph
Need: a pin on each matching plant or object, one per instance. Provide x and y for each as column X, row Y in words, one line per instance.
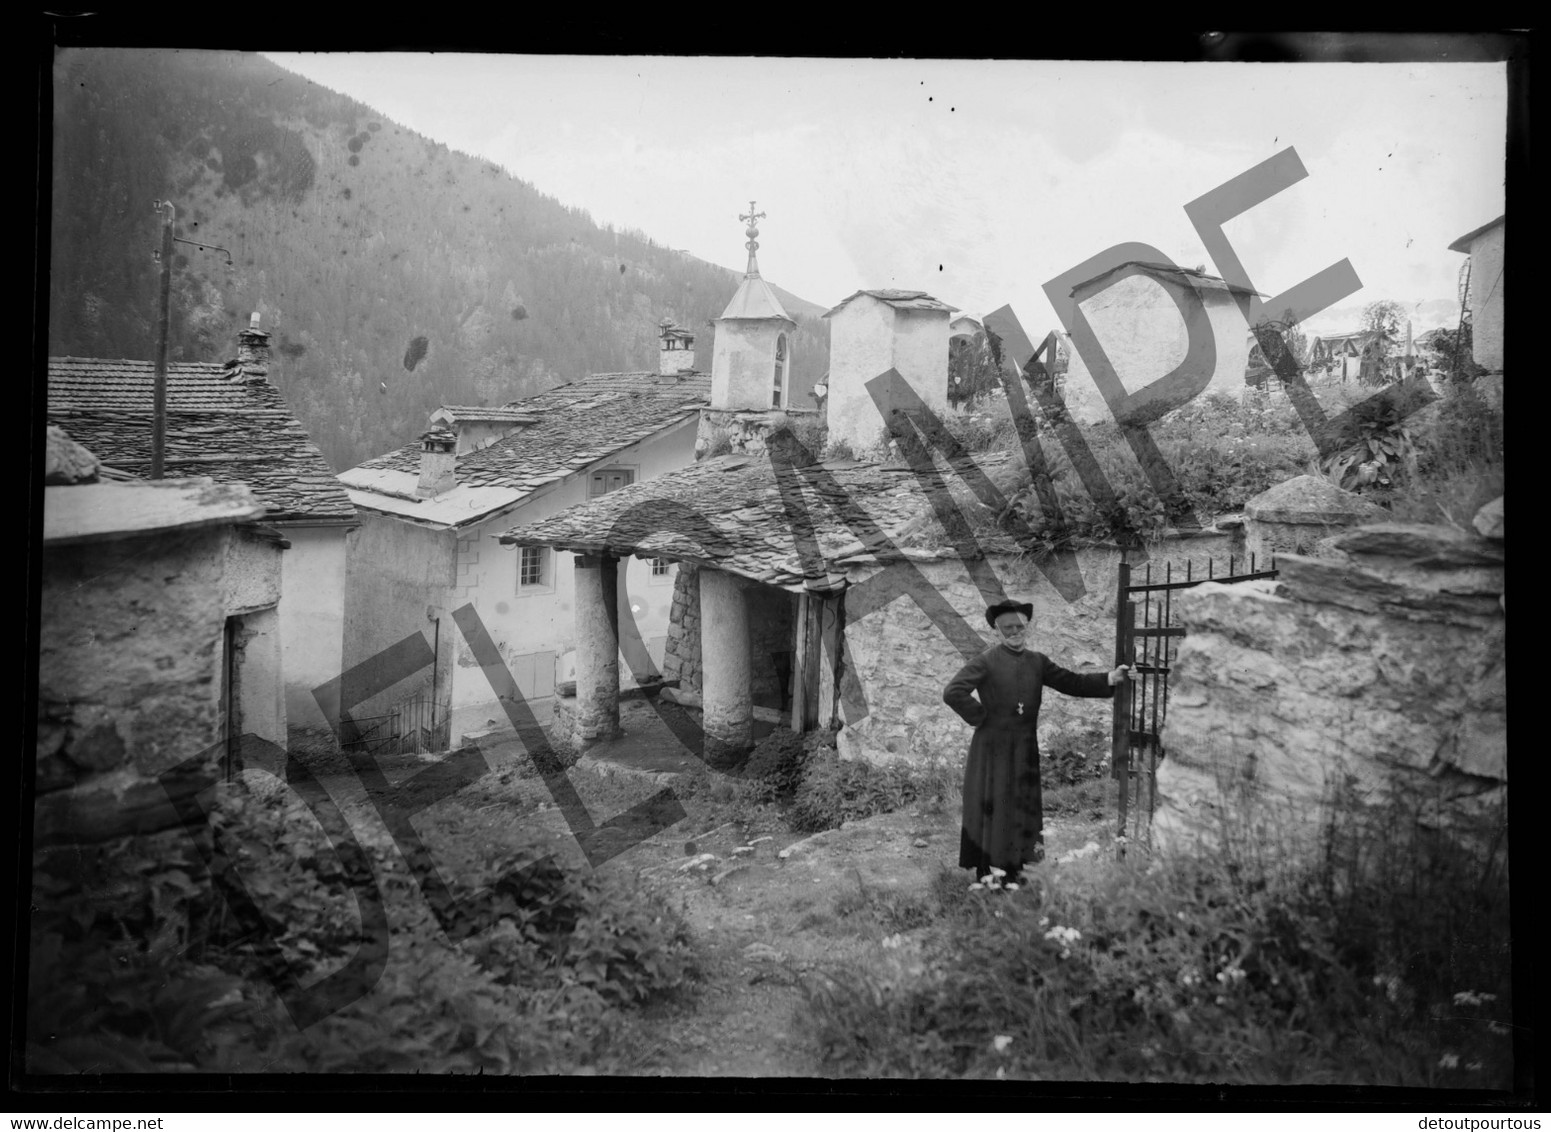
column 747, row 569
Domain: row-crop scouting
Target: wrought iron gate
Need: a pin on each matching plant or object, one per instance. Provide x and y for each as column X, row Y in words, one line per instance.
column 1144, row 622
column 420, row 725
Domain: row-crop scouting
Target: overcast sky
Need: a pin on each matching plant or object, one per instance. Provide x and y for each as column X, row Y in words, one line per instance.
column 976, row 180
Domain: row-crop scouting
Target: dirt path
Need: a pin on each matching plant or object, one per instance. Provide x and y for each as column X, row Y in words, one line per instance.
column 767, row 914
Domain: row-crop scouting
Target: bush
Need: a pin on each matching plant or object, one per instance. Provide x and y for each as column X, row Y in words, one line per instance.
column 777, row 763
column 1383, row 960
column 542, row 958
column 834, row 791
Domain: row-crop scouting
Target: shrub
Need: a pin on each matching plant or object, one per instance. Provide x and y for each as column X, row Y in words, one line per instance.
column 542, row 959
column 834, row 791
column 777, row 763
column 1382, row 960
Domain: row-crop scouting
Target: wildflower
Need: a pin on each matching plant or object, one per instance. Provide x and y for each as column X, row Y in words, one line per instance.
column 1010, row 887
column 893, row 941
column 1001, row 1073
column 1449, row 1061
column 1043, row 920
column 1474, row 1066
column 998, row 873
column 1001, row 1042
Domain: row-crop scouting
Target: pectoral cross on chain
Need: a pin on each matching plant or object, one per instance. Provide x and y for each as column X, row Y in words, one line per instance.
column 1020, row 708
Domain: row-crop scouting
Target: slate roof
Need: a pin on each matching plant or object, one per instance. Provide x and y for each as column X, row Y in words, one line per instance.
column 578, row 424
column 1463, row 243
column 485, row 413
column 728, row 513
column 233, row 433
column 1200, row 279
column 98, row 512
column 900, row 300
column 755, row 298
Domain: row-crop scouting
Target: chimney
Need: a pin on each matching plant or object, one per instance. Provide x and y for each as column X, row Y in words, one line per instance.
column 676, row 348
column 436, row 461
column 253, row 350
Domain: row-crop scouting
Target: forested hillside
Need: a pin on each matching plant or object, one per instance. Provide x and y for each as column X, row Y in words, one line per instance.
column 393, row 273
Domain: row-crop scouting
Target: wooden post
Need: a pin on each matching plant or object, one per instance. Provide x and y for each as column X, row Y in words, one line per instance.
column 163, row 328
column 1120, row 735
column 800, row 665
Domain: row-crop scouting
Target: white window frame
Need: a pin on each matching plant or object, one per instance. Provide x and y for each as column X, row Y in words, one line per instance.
column 633, row 469
column 653, row 578
column 546, row 584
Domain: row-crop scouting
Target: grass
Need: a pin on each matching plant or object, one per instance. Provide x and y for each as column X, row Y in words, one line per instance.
column 1369, row 954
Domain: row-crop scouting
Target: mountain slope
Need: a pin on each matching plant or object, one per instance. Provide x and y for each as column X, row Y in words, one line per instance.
column 393, row 273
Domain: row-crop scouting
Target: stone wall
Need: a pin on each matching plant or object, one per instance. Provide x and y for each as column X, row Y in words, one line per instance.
column 1295, row 516
column 1378, row 672
column 681, row 658
column 129, row 680
column 903, row 662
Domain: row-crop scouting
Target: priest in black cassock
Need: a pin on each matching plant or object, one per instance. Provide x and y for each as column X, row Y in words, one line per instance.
column 1003, row 810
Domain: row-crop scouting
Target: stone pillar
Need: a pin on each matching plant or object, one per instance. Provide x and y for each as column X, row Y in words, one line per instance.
column 725, row 668
column 597, row 649
column 1294, row 516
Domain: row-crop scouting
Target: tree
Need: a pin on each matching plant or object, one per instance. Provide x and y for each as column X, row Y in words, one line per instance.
column 1384, row 315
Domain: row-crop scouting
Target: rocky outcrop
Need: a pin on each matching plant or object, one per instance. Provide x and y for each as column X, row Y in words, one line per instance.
column 1296, row 515
column 1376, row 672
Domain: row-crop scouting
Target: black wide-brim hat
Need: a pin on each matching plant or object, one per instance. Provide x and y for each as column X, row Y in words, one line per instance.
column 1001, row 607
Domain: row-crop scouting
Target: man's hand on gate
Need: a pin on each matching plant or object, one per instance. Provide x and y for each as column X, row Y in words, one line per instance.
column 1119, row 674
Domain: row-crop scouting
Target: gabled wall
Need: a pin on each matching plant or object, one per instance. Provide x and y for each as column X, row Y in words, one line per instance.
column 394, row 572
column 1145, row 337
column 743, row 362
column 868, row 337
column 312, row 615
column 1486, row 297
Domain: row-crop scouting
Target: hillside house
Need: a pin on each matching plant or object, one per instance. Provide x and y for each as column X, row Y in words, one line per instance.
column 1136, row 312
column 157, row 649
column 1484, row 298
column 1365, row 354
column 431, row 511
column 228, row 423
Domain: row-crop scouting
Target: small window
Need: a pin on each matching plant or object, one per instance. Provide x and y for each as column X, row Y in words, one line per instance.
column 778, row 393
column 605, row 480
column 661, row 567
column 534, row 571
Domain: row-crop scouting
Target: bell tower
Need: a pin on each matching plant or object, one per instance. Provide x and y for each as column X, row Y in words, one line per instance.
column 751, row 360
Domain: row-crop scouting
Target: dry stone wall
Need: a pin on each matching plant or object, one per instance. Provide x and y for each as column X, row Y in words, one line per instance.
column 128, row 683
column 903, row 662
column 1376, row 672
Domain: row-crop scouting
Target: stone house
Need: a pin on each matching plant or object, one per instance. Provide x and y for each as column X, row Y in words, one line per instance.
column 808, row 631
column 1350, row 355
column 157, row 650
column 1136, row 312
column 225, row 421
column 874, row 331
column 1484, row 299
column 431, row 511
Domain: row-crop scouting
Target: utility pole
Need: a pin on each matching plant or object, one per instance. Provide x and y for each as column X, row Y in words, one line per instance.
column 163, row 328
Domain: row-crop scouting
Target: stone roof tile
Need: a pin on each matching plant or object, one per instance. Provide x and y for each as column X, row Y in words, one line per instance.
column 578, row 424
column 729, row 512
column 240, row 432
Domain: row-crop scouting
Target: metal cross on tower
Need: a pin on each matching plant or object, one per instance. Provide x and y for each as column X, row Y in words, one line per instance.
column 753, row 245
